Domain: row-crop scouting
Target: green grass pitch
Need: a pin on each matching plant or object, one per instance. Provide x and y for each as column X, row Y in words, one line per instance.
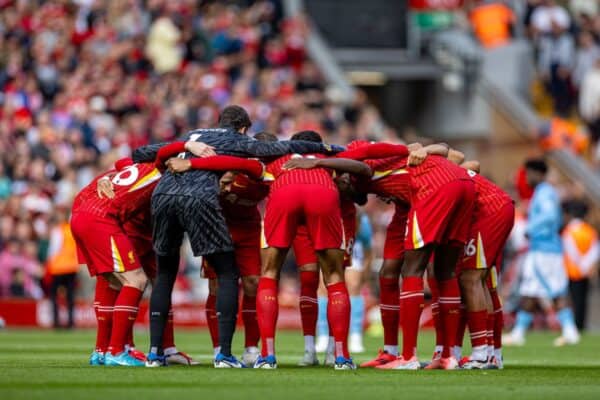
column 53, row 365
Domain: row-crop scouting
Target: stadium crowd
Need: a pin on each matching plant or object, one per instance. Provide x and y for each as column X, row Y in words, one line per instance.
column 84, row 82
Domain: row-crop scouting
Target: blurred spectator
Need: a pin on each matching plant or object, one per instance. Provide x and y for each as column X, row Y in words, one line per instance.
column 20, row 268
column 62, row 266
column 587, row 55
column 555, row 65
column 589, row 101
column 547, row 17
column 492, row 21
column 581, row 253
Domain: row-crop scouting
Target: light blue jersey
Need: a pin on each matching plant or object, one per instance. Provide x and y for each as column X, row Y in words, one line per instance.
column 544, row 220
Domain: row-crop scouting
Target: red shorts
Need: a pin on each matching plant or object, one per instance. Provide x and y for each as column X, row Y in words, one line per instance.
column 487, row 238
column 143, row 248
column 315, row 206
column 303, row 247
column 444, row 217
column 103, row 245
column 393, row 248
column 246, row 242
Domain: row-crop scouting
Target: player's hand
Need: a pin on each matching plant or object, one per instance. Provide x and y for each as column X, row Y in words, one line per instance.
column 416, row 157
column 200, row 149
column 177, row 165
column 105, row 188
column 303, row 163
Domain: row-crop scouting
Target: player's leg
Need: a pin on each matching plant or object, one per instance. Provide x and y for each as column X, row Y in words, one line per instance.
column 354, row 282
column 306, row 259
column 435, row 315
column 389, row 307
column 491, row 284
column 267, row 305
column 323, row 339
column 251, row 331
column 125, row 313
column 459, row 199
column 104, row 300
column 167, row 237
column 211, row 313
column 309, row 311
column 325, row 228
column 474, row 295
column 411, row 305
column 282, row 218
column 530, row 289
column 227, row 300
column 338, row 300
column 564, row 314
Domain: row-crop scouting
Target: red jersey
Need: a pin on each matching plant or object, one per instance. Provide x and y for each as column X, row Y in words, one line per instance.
column 282, row 177
column 490, row 198
column 133, row 187
column 391, row 179
column 433, row 174
column 240, row 205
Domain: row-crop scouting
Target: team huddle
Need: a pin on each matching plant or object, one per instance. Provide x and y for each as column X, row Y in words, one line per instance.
column 129, row 225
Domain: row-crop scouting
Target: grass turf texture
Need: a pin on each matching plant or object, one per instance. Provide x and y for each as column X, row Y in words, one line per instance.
column 53, row 365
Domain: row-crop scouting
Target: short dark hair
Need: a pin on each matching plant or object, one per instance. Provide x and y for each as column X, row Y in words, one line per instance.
column 266, row 137
column 536, row 164
column 576, row 208
column 234, row 117
column 309, row 136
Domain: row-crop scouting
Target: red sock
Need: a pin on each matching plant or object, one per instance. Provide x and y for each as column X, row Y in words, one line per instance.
column 389, row 306
column 104, row 300
column 309, row 307
column 250, row 323
column 124, row 315
column 498, row 319
column 338, row 314
column 477, row 321
column 450, row 312
column 490, row 321
column 267, row 311
column 169, row 333
column 462, row 326
column 435, row 311
column 211, row 319
column 412, row 301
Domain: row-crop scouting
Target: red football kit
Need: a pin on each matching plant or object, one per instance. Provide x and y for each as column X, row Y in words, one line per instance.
column 302, row 197
column 493, row 220
column 441, row 194
column 112, row 234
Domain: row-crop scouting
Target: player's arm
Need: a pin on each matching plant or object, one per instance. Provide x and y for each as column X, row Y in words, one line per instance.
column 374, row 151
column 253, row 168
column 418, row 153
column 198, row 149
column 339, row 164
column 246, row 146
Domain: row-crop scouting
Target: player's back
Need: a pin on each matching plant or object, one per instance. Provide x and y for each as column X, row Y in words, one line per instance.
column 433, row 174
column 490, row 198
column 281, row 177
column 133, row 186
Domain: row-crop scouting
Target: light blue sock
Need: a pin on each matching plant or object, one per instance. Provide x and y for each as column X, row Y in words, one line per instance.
column 322, row 324
column 522, row 323
column 357, row 314
column 567, row 322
